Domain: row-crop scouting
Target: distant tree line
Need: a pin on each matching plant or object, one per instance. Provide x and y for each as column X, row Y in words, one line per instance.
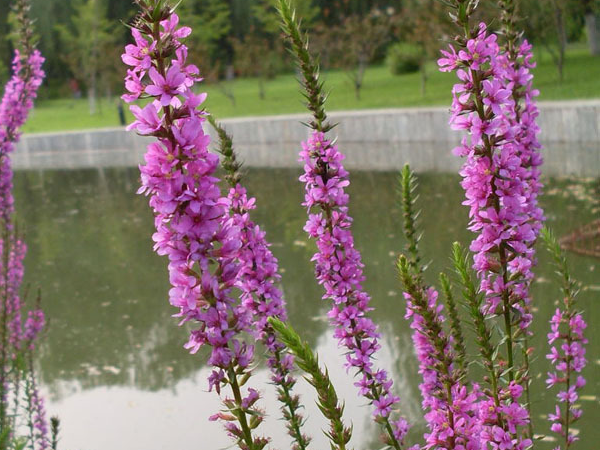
column 82, row 39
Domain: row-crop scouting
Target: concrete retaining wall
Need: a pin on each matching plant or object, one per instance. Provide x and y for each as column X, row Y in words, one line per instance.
column 372, row 140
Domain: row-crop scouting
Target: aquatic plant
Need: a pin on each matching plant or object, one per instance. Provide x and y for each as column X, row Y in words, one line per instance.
column 225, row 278
column 257, row 281
column 566, row 327
column 212, row 244
column 193, row 227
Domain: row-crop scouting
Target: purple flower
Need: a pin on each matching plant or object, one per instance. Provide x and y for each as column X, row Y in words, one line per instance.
column 568, row 358
column 338, row 269
column 19, row 338
column 501, row 183
column 147, row 120
column 497, row 95
column 166, row 87
column 139, row 55
column 451, row 408
column 194, row 225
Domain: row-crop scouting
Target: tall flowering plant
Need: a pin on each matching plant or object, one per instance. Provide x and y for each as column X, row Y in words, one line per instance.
column 338, row 265
column 20, row 401
column 193, row 226
column 225, row 279
column 257, row 282
column 493, row 103
column 212, row 244
column 567, row 328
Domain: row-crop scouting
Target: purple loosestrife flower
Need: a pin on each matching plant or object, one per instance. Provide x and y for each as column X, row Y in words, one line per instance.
column 38, row 422
column 18, row 337
column 497, row 177
column 451, row 410
column 19, row 94
column 257, row 281
column 17, row 101
column 12, row 278
column 194, row 228
column 338, row 268
column 518, row 78
column 503, row 210
column 259, row 270
column 567, row 355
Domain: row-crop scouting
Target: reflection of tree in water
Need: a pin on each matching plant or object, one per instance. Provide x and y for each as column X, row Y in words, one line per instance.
column 106, row 292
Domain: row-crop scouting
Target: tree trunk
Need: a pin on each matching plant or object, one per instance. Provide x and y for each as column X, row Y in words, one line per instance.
column 261, row 88
column 91, row 91
column 360, row 75
column 592, row 24
column 423, row 78
column 562, row 38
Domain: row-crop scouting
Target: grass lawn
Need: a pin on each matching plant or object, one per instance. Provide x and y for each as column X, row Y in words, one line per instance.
column 381, row 90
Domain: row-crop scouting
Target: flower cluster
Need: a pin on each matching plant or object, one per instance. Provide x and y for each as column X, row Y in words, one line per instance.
column 451, row 409
column 193, row 225
column 338, row 268
column 257, row 280
column 568, row 359
column 18, row 336
column 501, row 181
column 10, row 284
column 503, row 418
column 19, row 94
column 37, row 419
column 259, row 272
column 17, row 101
column 500, row 173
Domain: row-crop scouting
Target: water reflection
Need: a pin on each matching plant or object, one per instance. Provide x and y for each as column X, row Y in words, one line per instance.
column 112, row 361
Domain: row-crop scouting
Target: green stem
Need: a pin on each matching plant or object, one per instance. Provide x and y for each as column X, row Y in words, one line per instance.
column 339, row 435
column 507, row 314
column 295, row 421
column 435, row 335
column 241, row 416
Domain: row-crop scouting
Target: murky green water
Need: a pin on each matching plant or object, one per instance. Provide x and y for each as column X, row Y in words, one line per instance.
column 112, row 362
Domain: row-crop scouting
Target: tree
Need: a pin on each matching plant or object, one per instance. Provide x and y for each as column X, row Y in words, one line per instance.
column 428, row 23
column 257, row 56
column 259, row 53
column 335, row 11
column 591, row 10
column 85, row 43
column 211, row 22
column 356, row 41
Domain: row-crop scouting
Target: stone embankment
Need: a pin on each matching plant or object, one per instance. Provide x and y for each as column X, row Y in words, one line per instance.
column 372, row 139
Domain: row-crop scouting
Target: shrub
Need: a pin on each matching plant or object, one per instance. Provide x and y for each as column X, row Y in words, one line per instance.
column 403, row 58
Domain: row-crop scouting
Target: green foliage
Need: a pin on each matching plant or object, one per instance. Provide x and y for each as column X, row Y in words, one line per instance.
column 455, row 323
column 568, row 285
column 408, row 187
column 4, row 74
column 217, row 22
column 229, row 161
column 328, row 402
column 473, row 301
column 210, row 21
column 403, row 58
column 311, row 84
column 88, row 44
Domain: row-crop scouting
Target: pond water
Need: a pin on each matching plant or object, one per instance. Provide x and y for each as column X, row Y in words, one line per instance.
column 112, row 362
